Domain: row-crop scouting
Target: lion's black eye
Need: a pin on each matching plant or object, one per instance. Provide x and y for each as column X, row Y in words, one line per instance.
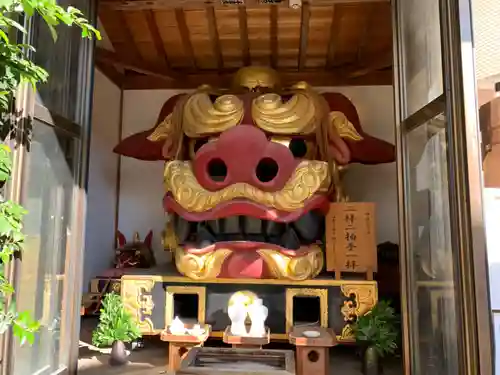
column 298, row 147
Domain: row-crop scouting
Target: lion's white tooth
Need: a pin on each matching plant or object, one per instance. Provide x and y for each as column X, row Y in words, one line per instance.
column 252, row 225
column 309, row 226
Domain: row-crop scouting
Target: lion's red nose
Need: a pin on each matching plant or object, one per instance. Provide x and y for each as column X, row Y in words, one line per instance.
column 244, row 154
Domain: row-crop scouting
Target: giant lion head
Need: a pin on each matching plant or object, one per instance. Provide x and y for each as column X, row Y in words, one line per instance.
column 250, row 173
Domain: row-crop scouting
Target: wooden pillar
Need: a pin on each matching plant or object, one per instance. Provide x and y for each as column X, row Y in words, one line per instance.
column 312, row 346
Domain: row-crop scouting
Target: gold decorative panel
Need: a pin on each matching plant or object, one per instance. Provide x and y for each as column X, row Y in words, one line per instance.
column 138, row 300
column 306, row 292
column 359, row 299
column 200, row 291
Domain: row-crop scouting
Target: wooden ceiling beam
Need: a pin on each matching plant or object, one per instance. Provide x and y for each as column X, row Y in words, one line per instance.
column 214, row 36
column 274, row 36
column 201, row 4
column 162, row 72
column 334, row 40
column 245, row 43
column 304, row 34
column 111, row 72
column 384, row 61
column 339, row 77
column 180, row 17
column 155, row 35
column 130, row 49
column 366, row 22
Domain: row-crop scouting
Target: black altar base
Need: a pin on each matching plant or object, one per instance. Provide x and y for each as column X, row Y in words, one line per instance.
column 155, row 296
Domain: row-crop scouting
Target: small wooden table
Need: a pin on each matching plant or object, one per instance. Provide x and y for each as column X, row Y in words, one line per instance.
column 180, row 345
column 311, row 354
column 246, row 341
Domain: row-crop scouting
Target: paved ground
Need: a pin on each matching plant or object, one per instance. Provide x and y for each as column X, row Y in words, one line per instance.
column 152, row 359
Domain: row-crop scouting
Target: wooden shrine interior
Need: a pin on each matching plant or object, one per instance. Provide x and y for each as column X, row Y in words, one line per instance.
column 175, row 44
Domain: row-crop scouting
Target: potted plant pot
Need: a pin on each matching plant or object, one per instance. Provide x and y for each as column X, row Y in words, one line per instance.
column 376, row 334
column 118, row 355
column 371, row 362
column 116, row 328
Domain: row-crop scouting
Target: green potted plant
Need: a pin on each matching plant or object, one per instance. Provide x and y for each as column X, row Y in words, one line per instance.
column 376, row 333
column 116, row 327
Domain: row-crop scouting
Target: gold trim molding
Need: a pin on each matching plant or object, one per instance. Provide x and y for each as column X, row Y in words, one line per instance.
column 200, row 291
column 294, row 268
column 322, row 294
column 209, row 265
column 344, row 127
column 137, row 299
column 201, row 267
column 317, row 282
column 360, row 299
column 309, row 178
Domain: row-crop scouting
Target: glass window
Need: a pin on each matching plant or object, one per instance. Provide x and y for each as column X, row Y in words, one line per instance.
column 421, row 37
column 47, row 195
column 435, row 342
column 63, row 62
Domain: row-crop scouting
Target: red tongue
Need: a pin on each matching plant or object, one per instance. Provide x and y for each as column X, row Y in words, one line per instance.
column 244, row 264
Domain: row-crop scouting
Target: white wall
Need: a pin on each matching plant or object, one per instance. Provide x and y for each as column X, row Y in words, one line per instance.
column 141, row 189
column 101, row 194
column 375, row 183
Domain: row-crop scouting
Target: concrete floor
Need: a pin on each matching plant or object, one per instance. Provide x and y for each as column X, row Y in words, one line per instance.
column 152, row 359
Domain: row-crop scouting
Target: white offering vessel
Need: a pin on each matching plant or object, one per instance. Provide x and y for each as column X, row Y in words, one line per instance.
column 237, row 313
column 258, row 315
column 197, row 330
column 177, row 327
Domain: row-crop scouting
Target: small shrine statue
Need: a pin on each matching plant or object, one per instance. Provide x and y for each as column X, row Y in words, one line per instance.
column 244, row 306
column 238, row 311
column 258, row 315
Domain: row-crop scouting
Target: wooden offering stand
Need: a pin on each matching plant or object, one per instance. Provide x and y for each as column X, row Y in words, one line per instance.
column 311, row 354
column 246, row 341
column 180, row 345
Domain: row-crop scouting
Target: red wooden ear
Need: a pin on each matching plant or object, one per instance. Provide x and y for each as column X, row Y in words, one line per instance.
column 369, row 150
column 138, row 146
column 121, row 239
column 149, row 239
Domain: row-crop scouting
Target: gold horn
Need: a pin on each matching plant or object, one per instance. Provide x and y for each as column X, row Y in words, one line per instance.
column 253, row 77
column 202, row 117
column 297, row 115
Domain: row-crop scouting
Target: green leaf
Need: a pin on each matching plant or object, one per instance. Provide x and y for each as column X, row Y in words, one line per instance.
column 6, row 4
column 17, row 26
column 4, row 36
column 28, row 7
column 378, row 328
column 115, row 323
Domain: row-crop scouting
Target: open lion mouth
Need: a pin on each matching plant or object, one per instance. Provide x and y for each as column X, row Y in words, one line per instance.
column 306, row 230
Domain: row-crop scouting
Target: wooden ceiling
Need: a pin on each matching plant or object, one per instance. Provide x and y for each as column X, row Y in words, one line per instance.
column 186, row 43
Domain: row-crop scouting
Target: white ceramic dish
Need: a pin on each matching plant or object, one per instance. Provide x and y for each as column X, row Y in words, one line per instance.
column 177, row 331
column 311, row 334
column 196, row 332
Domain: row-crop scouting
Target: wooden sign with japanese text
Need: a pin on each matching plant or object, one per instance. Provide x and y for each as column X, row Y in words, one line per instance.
column 350, row 238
